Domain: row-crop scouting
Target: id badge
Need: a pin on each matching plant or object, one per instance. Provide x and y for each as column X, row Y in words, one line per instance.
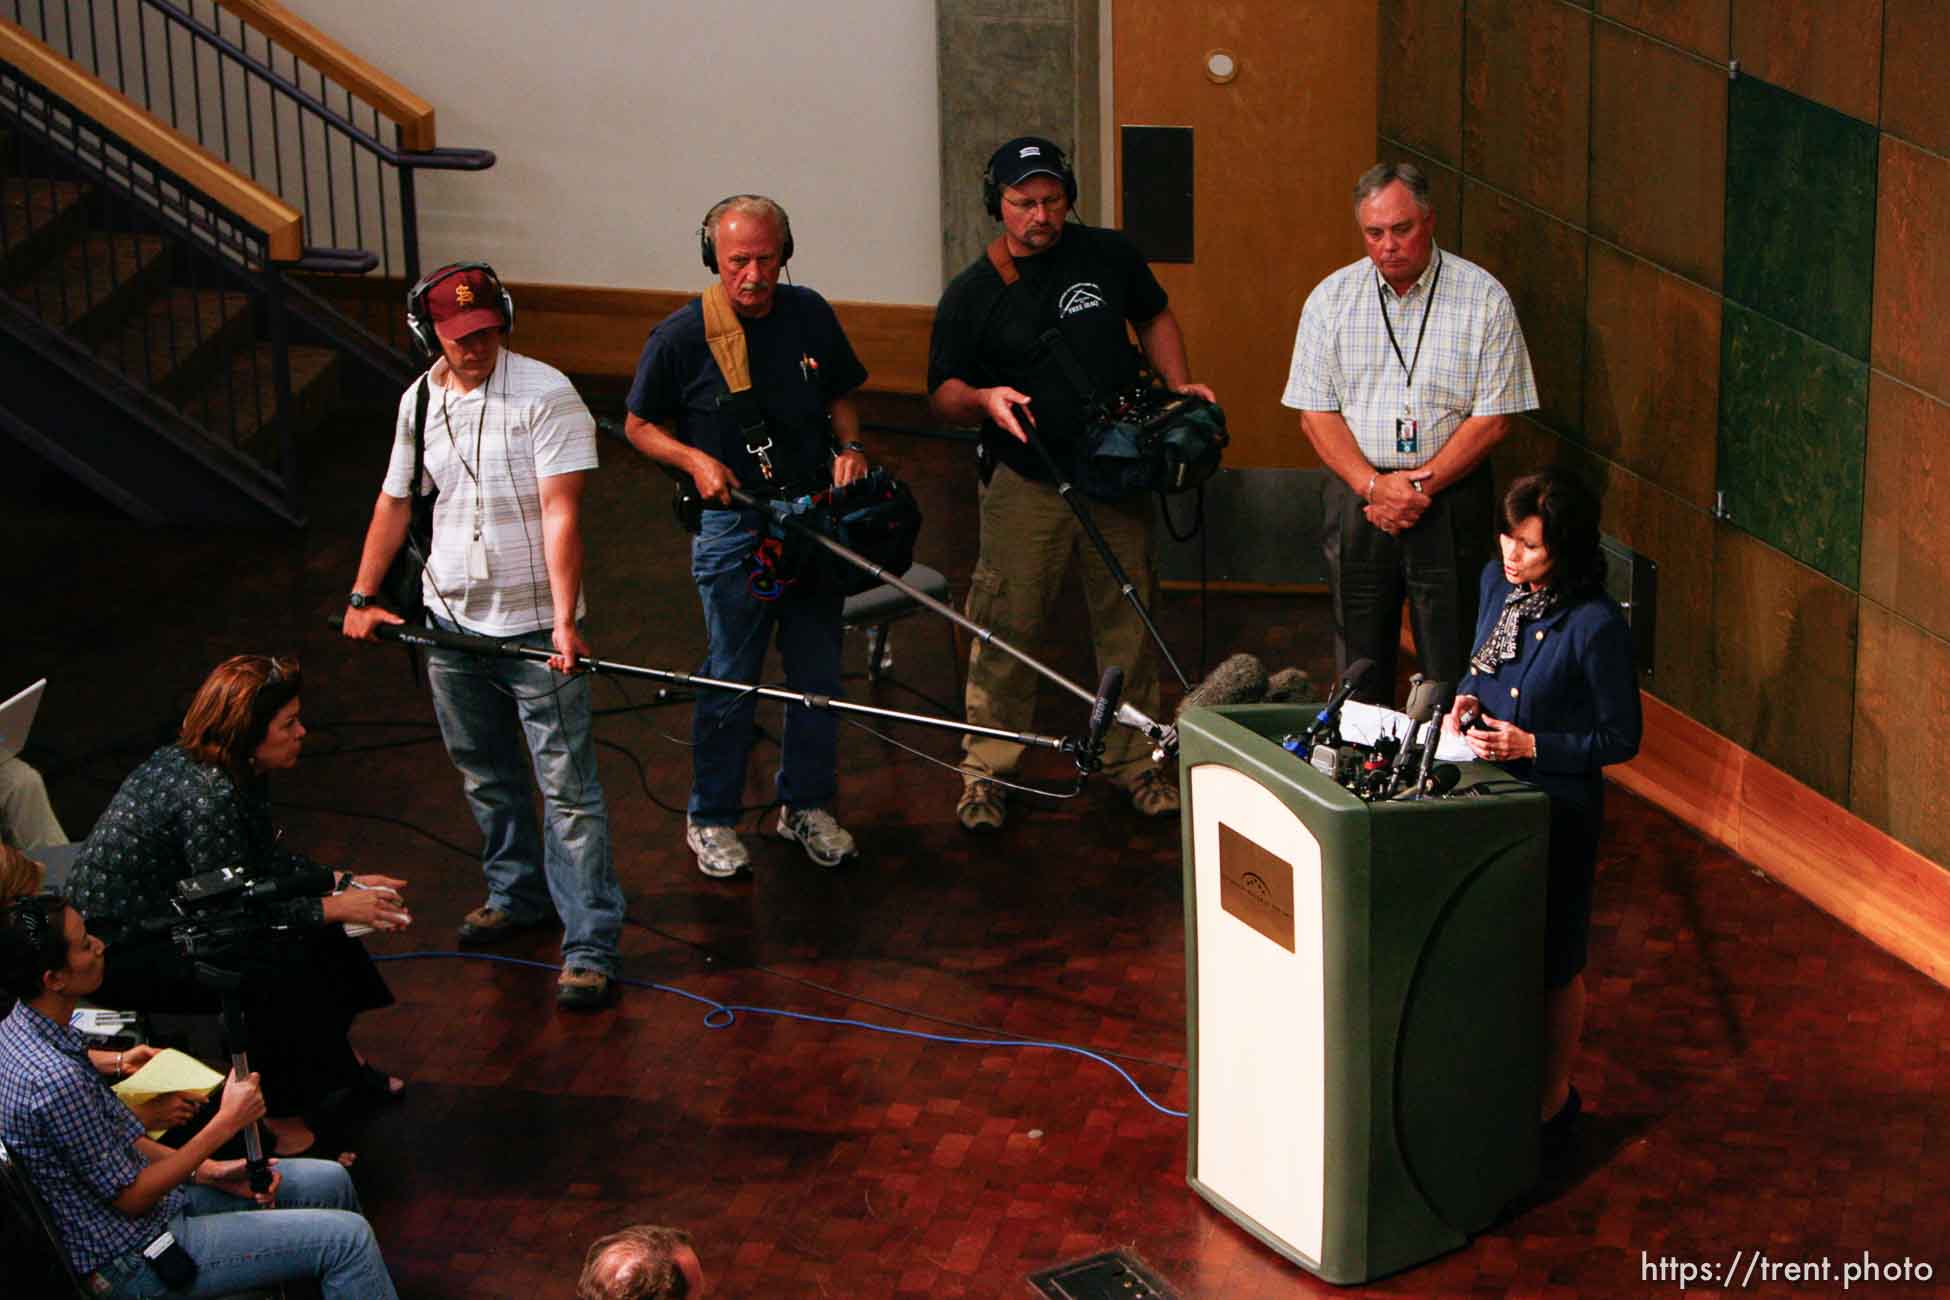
column 477, row 565
column 1406, row 431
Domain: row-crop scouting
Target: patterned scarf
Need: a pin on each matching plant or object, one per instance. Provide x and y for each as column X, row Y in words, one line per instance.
column 1521, row 606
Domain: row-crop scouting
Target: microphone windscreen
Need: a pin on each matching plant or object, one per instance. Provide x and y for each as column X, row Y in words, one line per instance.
column 1423, row 698
column 1288, row 686
column 1238, row 680
column 1441, row 780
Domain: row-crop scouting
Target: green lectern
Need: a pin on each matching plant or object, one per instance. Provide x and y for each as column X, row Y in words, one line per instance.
column 1365, row 1000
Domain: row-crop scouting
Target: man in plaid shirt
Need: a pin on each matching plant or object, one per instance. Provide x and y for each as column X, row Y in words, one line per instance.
column 1406, row 368
column 118, row 1198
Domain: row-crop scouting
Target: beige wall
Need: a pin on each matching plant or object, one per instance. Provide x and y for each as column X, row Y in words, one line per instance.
column 618, row 122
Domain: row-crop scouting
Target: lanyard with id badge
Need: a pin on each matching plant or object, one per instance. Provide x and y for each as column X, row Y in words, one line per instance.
column 477, row 556
column 1408, row 441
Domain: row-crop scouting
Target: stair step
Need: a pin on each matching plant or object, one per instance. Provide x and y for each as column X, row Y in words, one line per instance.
column 179, row 338
column 236, row 405
column 33, row 214
column 94, row 280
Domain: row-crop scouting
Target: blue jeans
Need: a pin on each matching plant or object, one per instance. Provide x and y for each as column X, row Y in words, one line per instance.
column 740, row 626
column 316, row 1232
column 497, row 715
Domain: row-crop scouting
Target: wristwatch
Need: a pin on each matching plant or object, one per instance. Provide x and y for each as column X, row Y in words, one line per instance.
column 857, row 446
column 359, row 600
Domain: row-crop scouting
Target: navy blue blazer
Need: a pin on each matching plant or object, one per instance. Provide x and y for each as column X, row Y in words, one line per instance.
column 1572, row 685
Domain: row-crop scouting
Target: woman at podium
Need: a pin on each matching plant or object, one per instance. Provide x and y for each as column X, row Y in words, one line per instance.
column 1552, row 697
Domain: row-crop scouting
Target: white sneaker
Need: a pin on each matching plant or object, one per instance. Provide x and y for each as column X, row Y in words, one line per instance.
column 824, row 840
column 720, row 853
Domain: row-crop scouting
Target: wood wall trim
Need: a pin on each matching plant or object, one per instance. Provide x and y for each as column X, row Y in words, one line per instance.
column 202, row 169
column 394, row 101
column 1877, row 886
column 588, row 330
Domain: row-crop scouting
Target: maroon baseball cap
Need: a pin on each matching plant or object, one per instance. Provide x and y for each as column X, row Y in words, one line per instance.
column 464, row 302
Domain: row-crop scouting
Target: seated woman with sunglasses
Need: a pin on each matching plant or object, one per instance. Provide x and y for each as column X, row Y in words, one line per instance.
column 201, row 805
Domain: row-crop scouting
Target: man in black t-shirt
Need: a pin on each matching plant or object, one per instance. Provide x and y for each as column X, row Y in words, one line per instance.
column 791, row 431
column 988, row 365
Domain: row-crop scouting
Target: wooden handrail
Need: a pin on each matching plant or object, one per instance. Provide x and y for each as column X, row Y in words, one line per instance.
column 280, row 222
column 413, row 114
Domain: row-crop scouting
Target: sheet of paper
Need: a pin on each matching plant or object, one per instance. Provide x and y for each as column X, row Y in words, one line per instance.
column 1362, row 723
column 96, row 1022
column 168, row 1071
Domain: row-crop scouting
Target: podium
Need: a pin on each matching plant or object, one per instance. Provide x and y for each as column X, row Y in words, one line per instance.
column 1365, row 1000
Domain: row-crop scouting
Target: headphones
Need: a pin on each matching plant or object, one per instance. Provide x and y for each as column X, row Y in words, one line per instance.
column 1053, row 152
column 419, row 322
column 707, row 230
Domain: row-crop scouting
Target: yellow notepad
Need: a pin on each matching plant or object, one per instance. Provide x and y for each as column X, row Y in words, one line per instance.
column 167, row 1071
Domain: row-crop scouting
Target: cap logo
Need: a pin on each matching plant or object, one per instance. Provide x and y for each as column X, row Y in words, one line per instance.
column 1031, row 151
column 463, row 294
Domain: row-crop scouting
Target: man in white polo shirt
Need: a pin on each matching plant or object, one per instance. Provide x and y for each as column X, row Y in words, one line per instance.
column 508, row 442
column 1406, row 368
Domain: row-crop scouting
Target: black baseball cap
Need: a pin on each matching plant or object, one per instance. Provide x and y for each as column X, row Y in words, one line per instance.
column 1026, row 156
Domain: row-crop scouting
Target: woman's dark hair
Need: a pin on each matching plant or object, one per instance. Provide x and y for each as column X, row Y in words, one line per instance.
column 233, row 710
column 1568, row 509
column 33, row 941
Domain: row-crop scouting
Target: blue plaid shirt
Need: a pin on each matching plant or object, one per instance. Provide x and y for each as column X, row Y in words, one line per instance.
column 75, row 1138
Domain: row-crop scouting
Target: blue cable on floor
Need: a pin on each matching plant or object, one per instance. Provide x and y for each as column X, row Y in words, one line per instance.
column 723, row 1014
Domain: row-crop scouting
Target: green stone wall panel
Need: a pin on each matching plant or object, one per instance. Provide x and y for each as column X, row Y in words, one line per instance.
column 1652, row 373
column 1699, row 25
column 1828, row 51
column 1912, row 283
column 1901, row 732
column 1678, row 537
column 1542, row 263
column 1527, row 97
column 1793, row 418
column 1915, row 91
column 1906, row 499
column 1801, row 210
column 1421, row 76
column 1784, row 661
column 1658, row 153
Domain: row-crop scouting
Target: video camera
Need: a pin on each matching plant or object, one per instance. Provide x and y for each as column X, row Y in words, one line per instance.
column 221, row 913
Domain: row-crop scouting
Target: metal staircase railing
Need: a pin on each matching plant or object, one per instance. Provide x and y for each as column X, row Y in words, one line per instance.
column 158, row 295
column 318, row 143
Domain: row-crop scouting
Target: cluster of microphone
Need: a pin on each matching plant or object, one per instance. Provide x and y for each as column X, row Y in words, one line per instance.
column 1392, row 767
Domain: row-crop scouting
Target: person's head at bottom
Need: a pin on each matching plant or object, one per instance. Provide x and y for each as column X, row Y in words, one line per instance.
column 642, row 1262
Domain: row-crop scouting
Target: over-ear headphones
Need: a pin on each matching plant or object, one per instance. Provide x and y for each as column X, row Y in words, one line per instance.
column 1052, row 155
column 419, row 321
column 707, row 230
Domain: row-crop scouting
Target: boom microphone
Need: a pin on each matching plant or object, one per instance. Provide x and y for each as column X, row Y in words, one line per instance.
column 1240, row 679
column 1288, row 686
column 1102, row 712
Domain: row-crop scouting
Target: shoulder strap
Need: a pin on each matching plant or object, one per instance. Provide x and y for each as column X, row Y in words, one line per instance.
column 419, row 435
column 726, row 338
column 1004, row 264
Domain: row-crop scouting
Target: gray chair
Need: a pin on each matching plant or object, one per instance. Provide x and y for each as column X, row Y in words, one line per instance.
column 879, row 606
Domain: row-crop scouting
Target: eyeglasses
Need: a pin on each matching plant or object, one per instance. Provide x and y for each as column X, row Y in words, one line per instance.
column 1050, row 205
